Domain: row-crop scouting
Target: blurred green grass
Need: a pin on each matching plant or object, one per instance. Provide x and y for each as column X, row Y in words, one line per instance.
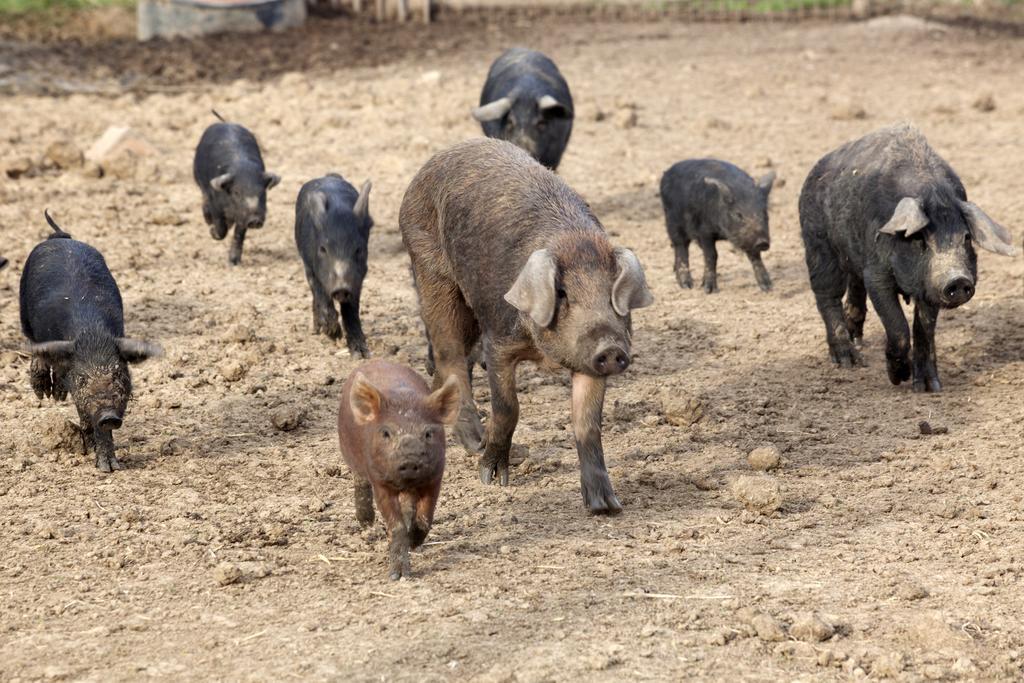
column 24, row 6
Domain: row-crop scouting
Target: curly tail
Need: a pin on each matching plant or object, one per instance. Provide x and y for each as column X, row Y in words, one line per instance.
column 58, row 232
column 219, row 117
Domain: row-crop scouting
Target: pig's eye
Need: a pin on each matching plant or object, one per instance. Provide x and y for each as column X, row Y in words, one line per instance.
column 323, row 250
column 385, row 433
column 560, row 293
column 428, row 434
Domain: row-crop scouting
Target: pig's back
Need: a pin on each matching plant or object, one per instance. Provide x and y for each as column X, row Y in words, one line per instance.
column 476, row 212
column 66, row 285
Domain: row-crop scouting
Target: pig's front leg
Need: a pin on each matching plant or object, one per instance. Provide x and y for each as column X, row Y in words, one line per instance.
column 39, row 376
column 397, row 518
column 354, row 337
column 764, row 281
column 587, row 404
column 710, row 282
column 882, row 292
column 105, row 459
column 501, row 374
column 926, row 371
column 424, row 515
column 216, row 220
column 325, row 316
column 235, row 255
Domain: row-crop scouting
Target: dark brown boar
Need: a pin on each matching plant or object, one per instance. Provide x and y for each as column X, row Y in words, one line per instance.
column 391, row 432
column 502, row 249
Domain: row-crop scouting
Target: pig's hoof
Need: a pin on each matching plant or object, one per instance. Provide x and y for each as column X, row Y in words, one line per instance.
column 927, row 384
column 846, row 357
column 218, row 233
column 470, row 432
column 488, row 472
column 235, row 259
column 710, row 287
column 685, row 280
column 359, row 348
column 599, row 496
column 899, row 369
column 765, row 286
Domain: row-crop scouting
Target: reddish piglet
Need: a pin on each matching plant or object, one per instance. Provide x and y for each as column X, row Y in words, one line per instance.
column 391, row 432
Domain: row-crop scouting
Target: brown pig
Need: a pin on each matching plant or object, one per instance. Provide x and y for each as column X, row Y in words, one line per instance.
column 502, row 249
column 391, row 432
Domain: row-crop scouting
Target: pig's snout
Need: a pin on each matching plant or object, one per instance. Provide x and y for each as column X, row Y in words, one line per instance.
column 342, row 295
column 410, row 469
column 610, row 360
column 254, row 223
column 109, row 420
column 762, row 245
column 957, row 291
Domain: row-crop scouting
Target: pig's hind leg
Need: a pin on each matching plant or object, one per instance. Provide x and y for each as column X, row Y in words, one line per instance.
column 828, row 282
column 710, row 280
column 452, row 330
column 855, row 308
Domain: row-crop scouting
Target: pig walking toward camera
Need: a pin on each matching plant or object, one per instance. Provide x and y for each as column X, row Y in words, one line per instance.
column 502, row 249
column 72, row 314
column 332, row 231
column 883, row 217
column 391, row 433
column 707, row 200
column 228, row 168
column 526, row 101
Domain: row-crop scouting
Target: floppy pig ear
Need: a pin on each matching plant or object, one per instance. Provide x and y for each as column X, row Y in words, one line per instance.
column 136, row 351
column 270, row 179
column 908, row 218
column 365, row 401
column 986, row 232
column 630, row 288
column 52, row 350
column 492, row 111
column 446, row 401
column 222, row 182
column 533, row 292
column 722, row 188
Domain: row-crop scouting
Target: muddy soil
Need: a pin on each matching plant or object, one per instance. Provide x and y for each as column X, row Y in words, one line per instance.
column 228, row 548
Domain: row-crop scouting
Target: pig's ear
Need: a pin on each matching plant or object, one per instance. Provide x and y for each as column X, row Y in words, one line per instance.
column 765, row 182
column 492, row 111
column 52, row 350
column 723, row 190
column 136, row 350
column 986, row 232
column 445, row 402
column 365, row 401
column 362, row 205
column 908, row 218
column 270, row 179
column 318, row 204
column 222, row 182
column 552, row 108
column 630, row 289
column 533, row 292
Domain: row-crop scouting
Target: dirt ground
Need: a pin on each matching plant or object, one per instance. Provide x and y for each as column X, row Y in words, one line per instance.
column 902, row 553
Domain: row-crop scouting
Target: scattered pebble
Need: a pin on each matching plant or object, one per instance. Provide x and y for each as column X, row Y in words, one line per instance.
column 768, row 628
column 810, row 627
column 626, row 118
column 764, row 458
column 227, row 573
column 64, row 154
column 758, row 493
column 985, row 103
column 21, row 167
column 231, row 370
column 176, row 445
column 288, row 418
column 848, row 111
column 927, row 428
column 681, row 410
